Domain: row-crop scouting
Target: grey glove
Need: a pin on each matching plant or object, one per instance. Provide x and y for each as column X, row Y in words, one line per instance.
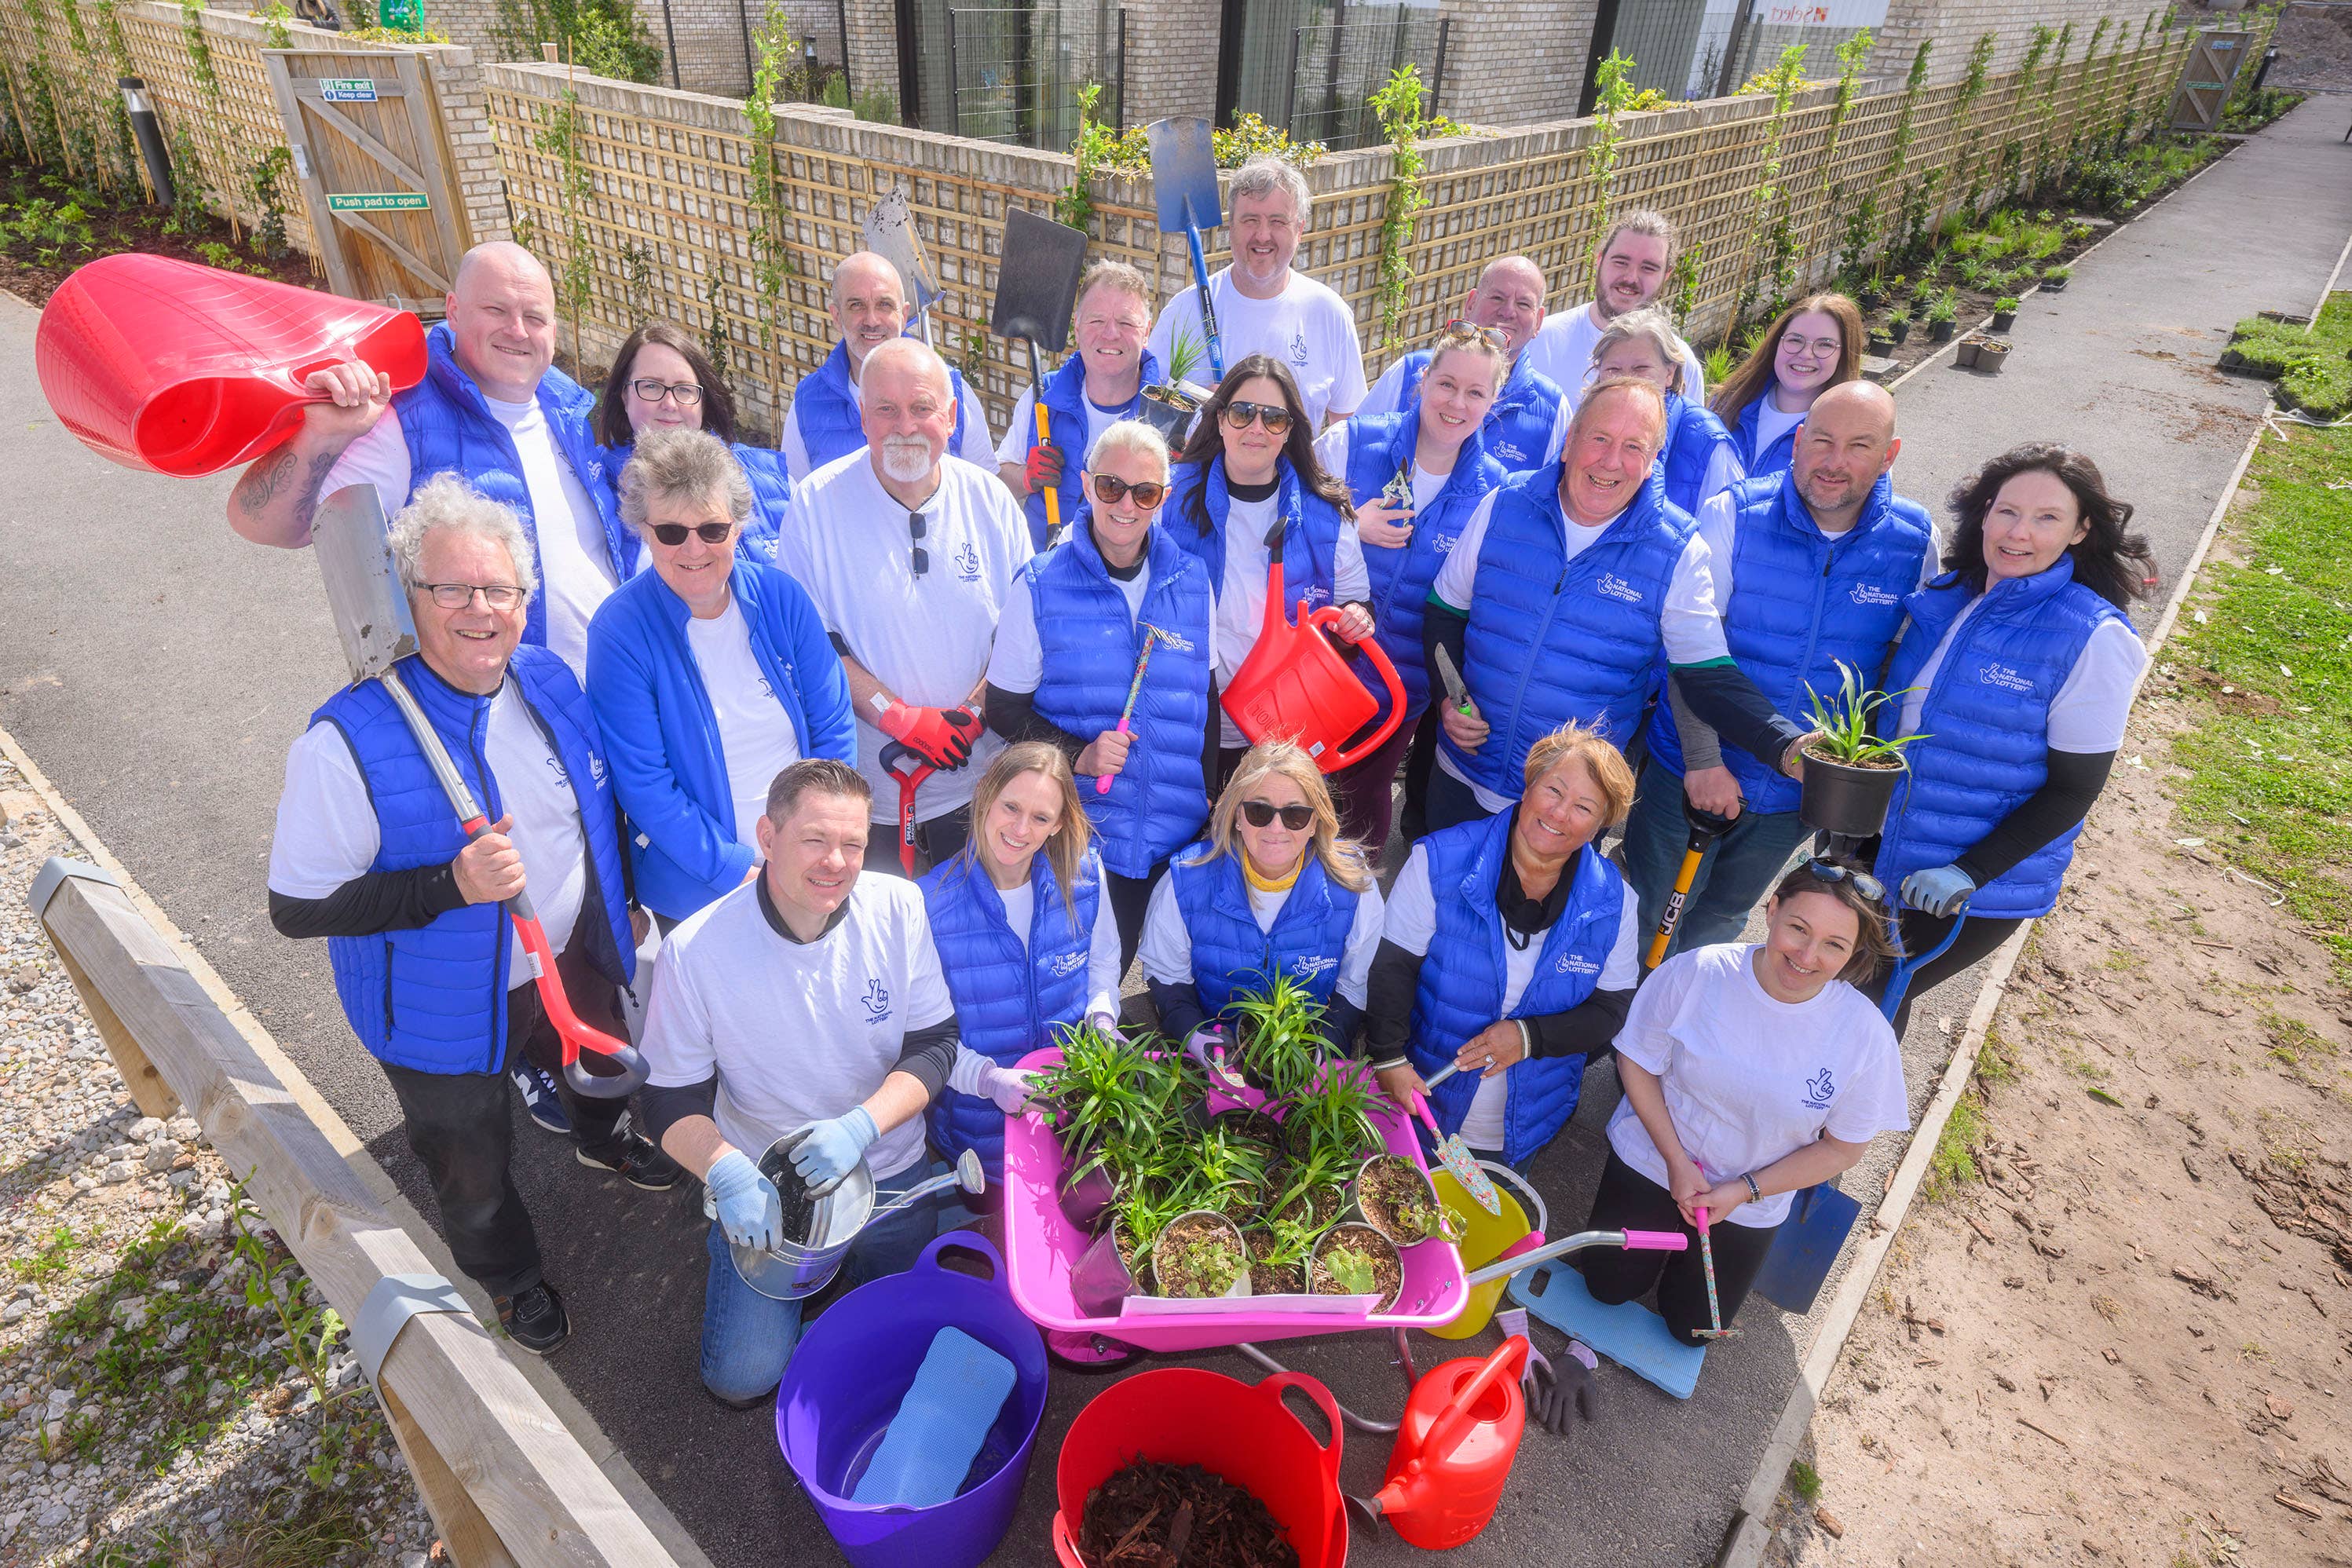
column 1556, row 1397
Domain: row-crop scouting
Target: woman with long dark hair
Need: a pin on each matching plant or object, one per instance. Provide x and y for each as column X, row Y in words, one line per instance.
column 661, row 379
column 1810, row 348
column 2017, row 674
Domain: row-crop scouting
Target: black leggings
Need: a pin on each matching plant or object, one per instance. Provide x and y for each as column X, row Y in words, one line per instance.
column 1630, row 1200
column 1130, row 896
column 1921, row 932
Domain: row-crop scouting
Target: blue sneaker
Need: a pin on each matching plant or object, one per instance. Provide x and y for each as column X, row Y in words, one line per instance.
column 540, row 1099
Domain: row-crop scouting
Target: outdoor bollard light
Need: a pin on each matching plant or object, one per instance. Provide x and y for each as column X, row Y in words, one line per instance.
column 150, row 139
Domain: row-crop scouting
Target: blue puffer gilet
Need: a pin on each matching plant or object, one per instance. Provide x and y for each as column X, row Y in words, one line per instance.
column 1986, row 719
column 1065, row 419
column 1310, row 529
column 448, row 426
column 1776, row 458
column 1007, row 1000
column 831, row 424
column 771, row 495
column 1552, row 640
column 1518, row 428
column 1231, row 956
column 434, row 998
column 1693, row 436
column 1088, row 643
column 1379, row 448
column 1800, row 602
column 1462, row 979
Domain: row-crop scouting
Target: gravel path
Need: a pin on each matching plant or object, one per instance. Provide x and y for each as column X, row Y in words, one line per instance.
column 171, row 1390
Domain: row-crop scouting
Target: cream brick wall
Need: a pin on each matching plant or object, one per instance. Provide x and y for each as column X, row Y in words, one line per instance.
column 1171, row 58
column 1516, row 62
column 1955, row 25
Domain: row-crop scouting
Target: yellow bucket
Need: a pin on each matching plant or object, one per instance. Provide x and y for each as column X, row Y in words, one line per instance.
column 1484, row 1238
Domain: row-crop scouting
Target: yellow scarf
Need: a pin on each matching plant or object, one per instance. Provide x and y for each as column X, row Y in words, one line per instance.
column 1271, row 884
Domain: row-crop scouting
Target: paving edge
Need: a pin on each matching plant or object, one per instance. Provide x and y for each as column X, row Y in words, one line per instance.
column 607, row 1457
column 1750, row 1533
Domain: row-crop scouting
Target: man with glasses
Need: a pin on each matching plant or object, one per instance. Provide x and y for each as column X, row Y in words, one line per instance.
column 493, row 409
column 869, row 309
column 1096, row 388
column 909, row 559
column 370, row 855
column 1635, row 263
column 1529, row 419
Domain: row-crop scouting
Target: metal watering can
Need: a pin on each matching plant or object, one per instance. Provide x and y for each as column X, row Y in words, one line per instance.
column 794, row 1270
column 1296, row 685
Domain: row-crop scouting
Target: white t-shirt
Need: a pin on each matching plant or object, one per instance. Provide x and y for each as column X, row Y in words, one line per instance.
column 2093, row 703
column 1306, row 326
column 1562, row 350
column 1018, row 664
column 1719, row 524
column 973, row 442
column 926, row 638
column 1772, row 423
column 1411, row 925
column 1749, row 1081
column 1166, row 948
column 1387, row 396
column 798, row 1032
column 1331, row 450
column 1102, row 942
column 1014, row 447
column 1723, row 471
column 755, row 733
column 327, row 832
column 1241, row 598
column 575, row 562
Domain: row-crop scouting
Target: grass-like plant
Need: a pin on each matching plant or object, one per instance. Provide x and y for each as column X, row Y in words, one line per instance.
column 1280, row 1049
column 2006, row 305
column 1944, row 307
column 1842, row 725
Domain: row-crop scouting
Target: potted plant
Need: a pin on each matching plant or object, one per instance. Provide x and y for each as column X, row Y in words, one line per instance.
column 1354, row 1260
column 1850, row 772
column 1334, row 1115
column 1899, row 328
column 2004, row 313
column 1991, row 354
column 1882, row 342
column 1395, row 1197
column 1965, row 356
column 1278, row 1253
column 1942, row 316
column 1278, row 1045
column 1871, row 297
column 1199, row 1254
column 2054, row 279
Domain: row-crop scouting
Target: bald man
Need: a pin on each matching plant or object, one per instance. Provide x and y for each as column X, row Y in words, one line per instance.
column 492, row 408
column 1529, row 419
column 869, row 309
column 910, row 555
column 1812, row 568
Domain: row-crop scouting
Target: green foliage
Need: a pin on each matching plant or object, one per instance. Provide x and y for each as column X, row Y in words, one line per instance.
column 268, row 181
column 1399, row 108
column 1771, row 235
column 274, row 33
column 2007, row 304
column 1944, row 307
column 1844, row 723
column 562, row 136
column 776, row 56
column 44, row 231
column 1805, row 1480
column 2321, row 386
column 1350, row 1269
column 1718, row 364
column 200, row 49
column 603, row 38
column 1613, row 95
column 1076, row 206
column 1682, row 289
column 2250, row 108
column 1250, row 136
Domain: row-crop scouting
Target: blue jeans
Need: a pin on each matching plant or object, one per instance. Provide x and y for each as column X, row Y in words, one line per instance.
column 747, row 1337
column 1739, row 868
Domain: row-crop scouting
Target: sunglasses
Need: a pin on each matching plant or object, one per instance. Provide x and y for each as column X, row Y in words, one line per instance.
column 1869, row 886
column 918, row 557
column 1262, row 814
column 1275, row 418
column 709, row 533
column 1110, row 489
column 1493, row 337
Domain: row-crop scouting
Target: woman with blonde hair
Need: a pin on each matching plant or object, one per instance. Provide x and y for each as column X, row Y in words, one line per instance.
column 1272, row 889
column 1810, row 347
column 1024, row 937
column 1512, row 945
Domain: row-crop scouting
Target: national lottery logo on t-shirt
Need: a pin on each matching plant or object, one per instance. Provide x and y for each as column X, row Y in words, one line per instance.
column 1820, row 1090
column 1298, row 344
column 1508, row 450
column 555, row 764
column 877, row 1000
column 596, row 767
column 967, row 561
column 765, row 689
column 1575, row 964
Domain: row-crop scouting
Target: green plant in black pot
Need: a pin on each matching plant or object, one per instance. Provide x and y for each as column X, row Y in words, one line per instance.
column 1850, row 772
column 2004, row 313
column 1943, row 316
column 1899, row 328
column 2054, row 279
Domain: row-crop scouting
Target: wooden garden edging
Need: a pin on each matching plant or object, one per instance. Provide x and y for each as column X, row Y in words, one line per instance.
column 505, row 1479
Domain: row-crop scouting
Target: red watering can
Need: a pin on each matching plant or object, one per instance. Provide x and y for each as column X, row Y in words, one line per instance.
column 1295, row 684
column 1454, row 1445
column 186, row 370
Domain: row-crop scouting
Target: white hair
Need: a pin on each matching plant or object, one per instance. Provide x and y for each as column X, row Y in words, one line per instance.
column 1266, row 173
column 446, row 501
column 1134, row 438
column 1650, row 325
column 682, row 465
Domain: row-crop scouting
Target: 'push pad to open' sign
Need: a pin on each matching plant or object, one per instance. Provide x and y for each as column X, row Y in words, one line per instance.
column 379, row 202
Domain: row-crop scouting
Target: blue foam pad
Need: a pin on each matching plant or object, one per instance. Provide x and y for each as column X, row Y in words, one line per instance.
column 1630, row 1335
column 942, row 1421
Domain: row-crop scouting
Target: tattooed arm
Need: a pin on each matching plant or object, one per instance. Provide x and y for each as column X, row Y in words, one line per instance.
column 273, row 504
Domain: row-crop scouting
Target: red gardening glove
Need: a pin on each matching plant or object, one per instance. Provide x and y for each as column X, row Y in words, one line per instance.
column 940, row 737
column 1043, row 472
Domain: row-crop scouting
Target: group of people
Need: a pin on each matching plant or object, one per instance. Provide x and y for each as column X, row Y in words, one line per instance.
column 906, row 785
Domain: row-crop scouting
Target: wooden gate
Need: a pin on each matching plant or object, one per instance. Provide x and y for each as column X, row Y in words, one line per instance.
column 375, row 175
column 2214, row 62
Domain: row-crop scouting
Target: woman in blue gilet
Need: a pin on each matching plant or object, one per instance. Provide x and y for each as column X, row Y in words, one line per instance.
column 661, row 379
column 1810, row 347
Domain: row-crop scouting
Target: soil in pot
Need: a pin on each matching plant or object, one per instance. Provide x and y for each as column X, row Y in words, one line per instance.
column 1199, row 1255
column 1847, row 798
column 1322, row 1204
column 1398, row 1201
column 1882, row 344
column 1151, row 1515
column 800, row 1210
column 1355, row 1260
column 1273, row 1279
column 1255, row 1125
column 1991, row 357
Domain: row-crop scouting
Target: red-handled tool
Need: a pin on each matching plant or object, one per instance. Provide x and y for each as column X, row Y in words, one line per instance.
column 893, row 753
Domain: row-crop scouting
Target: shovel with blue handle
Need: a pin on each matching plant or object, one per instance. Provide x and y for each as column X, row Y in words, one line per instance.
column 1185, row 184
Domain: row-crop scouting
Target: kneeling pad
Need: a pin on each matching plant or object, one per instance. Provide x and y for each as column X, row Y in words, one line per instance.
column 944, row 1418
column 1630, row 1335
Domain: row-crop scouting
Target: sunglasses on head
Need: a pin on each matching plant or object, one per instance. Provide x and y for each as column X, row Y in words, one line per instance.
column 1110, row 489
column 709, row 533
column 918, row 557
column 1493, row 337
column 1869, row 886
column 1262, row 814
column 1274, row 417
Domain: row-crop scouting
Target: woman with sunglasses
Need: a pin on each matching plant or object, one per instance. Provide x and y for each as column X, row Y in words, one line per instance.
column 1752, row 1070
column 1414, row 477
column 708, row 674
column 1698, row 458
column 661, row 379
column 1248, row 470
column 1105, row 651
column 2017, row 674
column 1512, row 945
column 1810, row 347
column 1272, row 890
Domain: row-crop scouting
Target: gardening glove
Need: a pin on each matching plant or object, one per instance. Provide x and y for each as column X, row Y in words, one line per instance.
column 1108, row 1024
column 1941, row 892
column 1206, row 1045
column 983, row 1078
column 827, row 1151
column 940, row 737
column 749, row 1211
column 1043, row 472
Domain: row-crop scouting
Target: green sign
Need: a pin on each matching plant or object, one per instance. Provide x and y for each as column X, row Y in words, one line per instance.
column 408, row 14
column 379, row 202
column 347, row 89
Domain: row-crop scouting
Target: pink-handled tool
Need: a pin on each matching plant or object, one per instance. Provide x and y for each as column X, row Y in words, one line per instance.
column 1707, row 1261
column 1456, row 1156
column 1134, row 690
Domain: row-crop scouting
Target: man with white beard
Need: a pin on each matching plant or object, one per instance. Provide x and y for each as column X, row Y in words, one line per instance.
column 910, row 559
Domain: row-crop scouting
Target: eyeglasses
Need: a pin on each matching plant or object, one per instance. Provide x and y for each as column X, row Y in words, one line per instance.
column 709, row 533
column 917, row 557
column 687, row 393
column 1493, row 337
column 1275, row 417
column 1869, row 886
column 1110, row 489
column 1262, row 814
column 458, row 595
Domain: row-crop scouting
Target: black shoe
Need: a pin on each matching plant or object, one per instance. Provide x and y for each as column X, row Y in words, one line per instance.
column 534, row 1319
column 633, row 1158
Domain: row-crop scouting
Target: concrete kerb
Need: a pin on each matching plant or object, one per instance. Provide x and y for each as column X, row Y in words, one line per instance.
column 1751, row 1533
column 600, row 1448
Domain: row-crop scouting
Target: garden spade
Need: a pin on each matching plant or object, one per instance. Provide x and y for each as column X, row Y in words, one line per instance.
column 1185, row 184
column 889, row 233
column 1036, row 293
column 369, row 609
column 1453, row 1153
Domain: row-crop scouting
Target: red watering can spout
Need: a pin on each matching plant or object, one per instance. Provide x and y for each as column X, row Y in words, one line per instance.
column 1295, row 685
column 186, row 370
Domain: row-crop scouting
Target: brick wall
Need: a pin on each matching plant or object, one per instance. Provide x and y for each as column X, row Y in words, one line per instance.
column 1516, row 62
column 1171, row 58
column 1954, row 26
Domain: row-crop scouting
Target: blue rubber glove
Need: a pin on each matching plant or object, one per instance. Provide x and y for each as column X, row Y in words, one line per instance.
column 749, row 1212
column 1940, row 891
column 828, row 1150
